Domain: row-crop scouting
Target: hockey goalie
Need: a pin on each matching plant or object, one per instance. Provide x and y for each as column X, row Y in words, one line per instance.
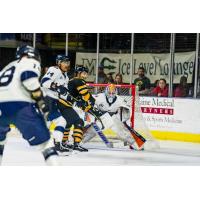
column 115, row 115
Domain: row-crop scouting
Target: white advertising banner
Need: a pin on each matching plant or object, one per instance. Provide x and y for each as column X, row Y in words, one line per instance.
column 156, row 65
column 171, row 114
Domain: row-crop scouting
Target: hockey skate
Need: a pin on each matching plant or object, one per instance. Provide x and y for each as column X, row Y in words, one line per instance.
column 78, row 148
column 67, row 145
column 62, row 150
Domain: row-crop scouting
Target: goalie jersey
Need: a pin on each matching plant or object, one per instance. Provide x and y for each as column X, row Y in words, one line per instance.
column 18, row 78
column 54, row 76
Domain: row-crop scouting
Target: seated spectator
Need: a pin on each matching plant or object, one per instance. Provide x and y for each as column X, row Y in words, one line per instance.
column 102, row 77
column 110, row 78
column 155, row 84
column 118, row 79
column 142, row 82
column 161, row 90
column 182, row 90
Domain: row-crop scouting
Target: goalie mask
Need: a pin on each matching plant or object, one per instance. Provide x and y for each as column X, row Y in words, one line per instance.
column 111, row 93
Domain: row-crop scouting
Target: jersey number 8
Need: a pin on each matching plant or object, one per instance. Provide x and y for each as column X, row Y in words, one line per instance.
column 7, row 76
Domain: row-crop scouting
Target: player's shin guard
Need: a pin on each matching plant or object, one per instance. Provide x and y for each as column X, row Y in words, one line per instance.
column 59, row 129
column 66, row 135
column 78, row 136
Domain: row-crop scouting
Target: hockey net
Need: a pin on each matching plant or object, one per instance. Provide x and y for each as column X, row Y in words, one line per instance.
column 130, row 94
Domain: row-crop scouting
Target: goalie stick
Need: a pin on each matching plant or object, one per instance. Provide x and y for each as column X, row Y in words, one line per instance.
column 102, row 136
column 139, row 139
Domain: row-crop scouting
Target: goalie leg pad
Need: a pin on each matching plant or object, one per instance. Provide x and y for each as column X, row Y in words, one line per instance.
column 89, row 134
column 117, row 126
column 122, row 132
column 106, row 120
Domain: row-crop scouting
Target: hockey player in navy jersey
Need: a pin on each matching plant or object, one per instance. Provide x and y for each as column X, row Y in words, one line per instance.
column 54, row 83
column 22, row 103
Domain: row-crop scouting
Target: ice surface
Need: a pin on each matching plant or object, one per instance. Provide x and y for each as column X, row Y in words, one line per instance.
column 18, row 152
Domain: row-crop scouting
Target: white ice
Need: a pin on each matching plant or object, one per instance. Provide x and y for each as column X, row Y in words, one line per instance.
column 19, row 153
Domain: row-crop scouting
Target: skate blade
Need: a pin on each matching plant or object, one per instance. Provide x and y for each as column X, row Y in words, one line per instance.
column 77, row 151
column 64, row 153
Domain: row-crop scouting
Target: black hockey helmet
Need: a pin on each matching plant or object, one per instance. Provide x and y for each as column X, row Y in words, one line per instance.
column 62, row 58
column 26, row 50
column 81, row 68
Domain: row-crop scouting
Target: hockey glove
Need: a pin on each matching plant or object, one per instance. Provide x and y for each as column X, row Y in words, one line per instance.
column 38, row 97
column 60, row 89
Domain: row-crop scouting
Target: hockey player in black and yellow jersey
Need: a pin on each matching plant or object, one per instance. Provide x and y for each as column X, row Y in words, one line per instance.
column 78, row 92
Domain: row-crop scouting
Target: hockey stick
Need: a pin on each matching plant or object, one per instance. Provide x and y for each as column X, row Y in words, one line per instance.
column 96, row 117
column 102, row 136
column 140, row 140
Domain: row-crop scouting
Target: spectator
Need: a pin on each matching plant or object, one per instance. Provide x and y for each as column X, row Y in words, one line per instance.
column 118, row 79
column 142, row 82
column 156, row 83
column 182, row 90
column 102, row 77
column 110, row 78
column 161, row 90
